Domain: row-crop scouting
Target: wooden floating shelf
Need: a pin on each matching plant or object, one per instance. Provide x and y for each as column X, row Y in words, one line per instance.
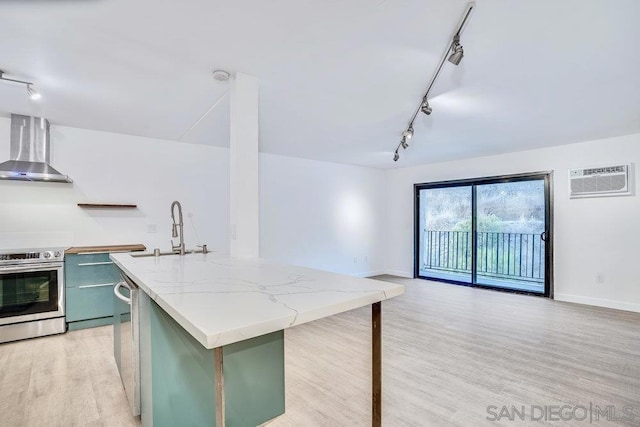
column 107, row 206
column 107, row 248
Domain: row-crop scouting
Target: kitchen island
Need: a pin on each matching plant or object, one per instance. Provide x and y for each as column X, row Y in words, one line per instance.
column 212, row 333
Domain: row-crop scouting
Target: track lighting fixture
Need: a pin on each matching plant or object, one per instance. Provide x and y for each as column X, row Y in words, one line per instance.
column 408, row 134
column 33, row 94
column 31, row 91
column 456, row 51
column 425, row 108
column 454, row 54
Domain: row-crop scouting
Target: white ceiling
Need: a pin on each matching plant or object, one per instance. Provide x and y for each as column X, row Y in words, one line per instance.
column 339, row 79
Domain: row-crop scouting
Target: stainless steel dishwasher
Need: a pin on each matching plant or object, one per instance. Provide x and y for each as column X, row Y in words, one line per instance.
column 126, row 349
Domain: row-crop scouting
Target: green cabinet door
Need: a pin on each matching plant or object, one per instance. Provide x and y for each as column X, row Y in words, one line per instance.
column 89, row 302
column 89, row 269
column 89, row 282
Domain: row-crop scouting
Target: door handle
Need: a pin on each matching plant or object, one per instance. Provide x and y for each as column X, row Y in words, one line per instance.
column 118, row 295
column 543, row 236
column 30, row 267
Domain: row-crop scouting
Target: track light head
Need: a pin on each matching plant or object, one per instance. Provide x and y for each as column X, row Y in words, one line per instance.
column 408, row 134
column 404, row 144
column 425, row 108
column 457, row 53
column 396, row 156
column 33, row 94
column 456, row 57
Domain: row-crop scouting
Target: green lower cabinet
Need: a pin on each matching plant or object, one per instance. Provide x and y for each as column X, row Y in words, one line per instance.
column 178, row 388
column 87, row 269
column 89, row 281
column 254, row 380
column 85, row 303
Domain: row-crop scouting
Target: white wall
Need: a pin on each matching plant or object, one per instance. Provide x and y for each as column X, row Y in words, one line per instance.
column 316, row 214
column 109, row 167
column 322, row 215
column 312, row 213
column 596, row 235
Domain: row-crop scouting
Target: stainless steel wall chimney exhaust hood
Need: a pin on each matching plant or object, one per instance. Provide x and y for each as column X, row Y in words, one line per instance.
column 30, row 153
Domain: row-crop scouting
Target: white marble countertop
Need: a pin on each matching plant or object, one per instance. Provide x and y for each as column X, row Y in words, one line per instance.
column 221, row 300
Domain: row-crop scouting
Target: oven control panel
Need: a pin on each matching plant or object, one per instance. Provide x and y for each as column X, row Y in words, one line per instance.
column 32, row 256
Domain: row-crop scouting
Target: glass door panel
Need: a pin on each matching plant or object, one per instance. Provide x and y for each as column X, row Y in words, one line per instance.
column 444, row 233
column 510, row 220
column 30, row 292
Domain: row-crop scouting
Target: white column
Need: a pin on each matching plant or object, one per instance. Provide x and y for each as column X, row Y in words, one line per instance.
column 244, row 194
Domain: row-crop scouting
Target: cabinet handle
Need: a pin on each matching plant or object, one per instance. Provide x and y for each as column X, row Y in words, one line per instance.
column 99, row 285
column 87, row 264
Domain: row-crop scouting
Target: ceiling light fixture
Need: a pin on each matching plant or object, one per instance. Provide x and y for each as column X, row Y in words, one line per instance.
column 425, row 108
column 454, row 54
column 221, row 75
column 33, row 94
column 408, row 134
column 457, row 53
column 31, row 91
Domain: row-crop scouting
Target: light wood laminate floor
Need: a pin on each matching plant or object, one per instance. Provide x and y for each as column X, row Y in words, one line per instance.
column 449, row 352
column 62, row 380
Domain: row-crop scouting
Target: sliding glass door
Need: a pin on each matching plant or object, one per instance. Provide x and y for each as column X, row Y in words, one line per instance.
column 445, row 234
column 490, row 232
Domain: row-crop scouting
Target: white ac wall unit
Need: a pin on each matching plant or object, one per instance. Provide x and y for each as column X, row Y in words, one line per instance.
column 613, row 180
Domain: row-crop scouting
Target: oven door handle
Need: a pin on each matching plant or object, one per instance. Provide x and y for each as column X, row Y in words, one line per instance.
column 116, row 292
column 30, row 267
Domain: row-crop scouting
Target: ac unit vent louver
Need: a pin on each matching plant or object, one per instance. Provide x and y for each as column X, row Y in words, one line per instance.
column 600, row 181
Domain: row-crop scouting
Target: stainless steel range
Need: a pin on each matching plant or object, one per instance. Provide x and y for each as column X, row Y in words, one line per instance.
column 31, row 293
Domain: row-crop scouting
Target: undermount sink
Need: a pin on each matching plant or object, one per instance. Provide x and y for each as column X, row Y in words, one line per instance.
column 159, row 254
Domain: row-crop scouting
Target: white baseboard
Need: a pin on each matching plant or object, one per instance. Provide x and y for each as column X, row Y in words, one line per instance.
column 369, row 273
column 577, row 299
column 399, row 273
column 598, row 302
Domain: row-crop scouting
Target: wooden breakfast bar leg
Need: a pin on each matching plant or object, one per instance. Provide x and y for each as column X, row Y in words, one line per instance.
column 218, row 361
column 376, row 392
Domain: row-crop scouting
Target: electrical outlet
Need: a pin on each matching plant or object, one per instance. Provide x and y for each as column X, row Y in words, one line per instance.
column 355, row 260
column 189, row 215
column 599, row 278
column 152, row 228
